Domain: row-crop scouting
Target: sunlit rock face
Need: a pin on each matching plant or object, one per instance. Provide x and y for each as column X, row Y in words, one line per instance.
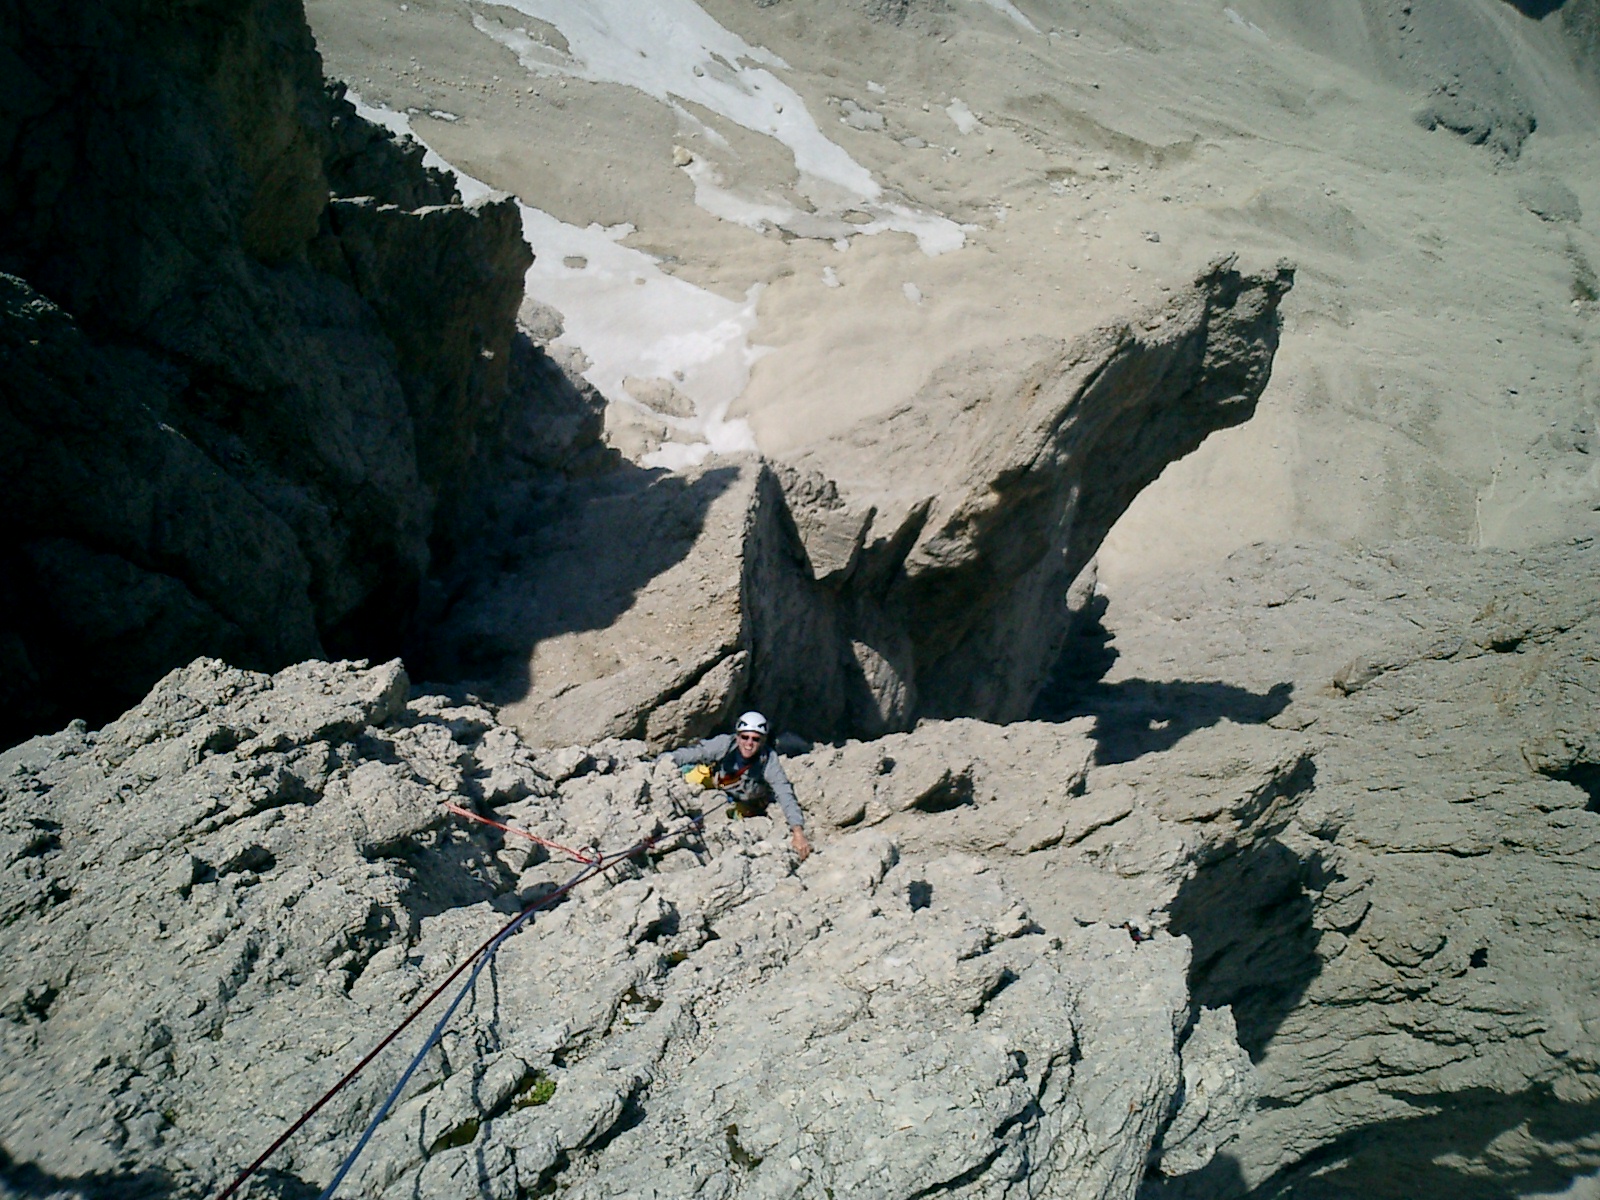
column 1268, row 868
column 845, row 600
column 295, row 882
column 1251, row 899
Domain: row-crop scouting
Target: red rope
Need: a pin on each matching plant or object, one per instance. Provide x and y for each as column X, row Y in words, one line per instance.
column 583, row 856
column 594, row 866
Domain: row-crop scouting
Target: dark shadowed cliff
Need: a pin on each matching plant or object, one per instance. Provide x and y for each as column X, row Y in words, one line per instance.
column 254, row 353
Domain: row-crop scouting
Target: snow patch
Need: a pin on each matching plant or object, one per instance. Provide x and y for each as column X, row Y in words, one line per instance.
column 965, row 120
column 935, row 235
column 674, row 52
column 657, row 49
column 630, row 318
column 472, row 190
column 1248, row 26
column 1012, row 11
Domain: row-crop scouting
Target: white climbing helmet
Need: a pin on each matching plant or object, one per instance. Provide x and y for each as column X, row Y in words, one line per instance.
column 752, row 722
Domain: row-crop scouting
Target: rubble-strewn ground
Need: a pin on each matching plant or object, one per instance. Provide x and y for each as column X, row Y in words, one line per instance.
column 1429, row 165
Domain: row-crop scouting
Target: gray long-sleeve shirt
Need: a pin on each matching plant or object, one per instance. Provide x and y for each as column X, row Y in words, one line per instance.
column 764, row 774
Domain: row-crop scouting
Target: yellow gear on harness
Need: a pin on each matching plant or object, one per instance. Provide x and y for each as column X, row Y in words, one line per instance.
column 702, row 775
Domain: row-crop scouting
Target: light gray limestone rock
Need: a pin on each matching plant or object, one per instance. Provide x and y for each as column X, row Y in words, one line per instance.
column 657, row 605
column 1056, row 958
column 622, row 615
column 1549, row 199
column 217, row 903
column 1412, row 969
column 1219, row 1093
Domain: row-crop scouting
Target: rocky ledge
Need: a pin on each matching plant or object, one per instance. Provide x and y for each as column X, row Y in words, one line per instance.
column 217, row 903
column 1197, row 936
column 1129, row 948
column 842, row 596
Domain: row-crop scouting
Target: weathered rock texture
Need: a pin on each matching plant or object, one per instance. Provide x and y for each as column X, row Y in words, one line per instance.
column 615, row 606
column 841, row 604
column 1580, row 21
column 1466, row 62
column 1413, row 967
column 255, row 354
column 216, row 904
column 946, row 576
column 1296, row 899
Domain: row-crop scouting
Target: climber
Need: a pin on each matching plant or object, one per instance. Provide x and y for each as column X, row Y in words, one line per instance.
column 749, row 771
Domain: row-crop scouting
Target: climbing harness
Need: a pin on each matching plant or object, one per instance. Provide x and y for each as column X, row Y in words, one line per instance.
column 713, row 777
column 1139, row 936
column 709, row 776
column 593, row 863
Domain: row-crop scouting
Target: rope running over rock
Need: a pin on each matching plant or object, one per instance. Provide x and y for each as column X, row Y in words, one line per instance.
column 594, row 863
column 586, row 855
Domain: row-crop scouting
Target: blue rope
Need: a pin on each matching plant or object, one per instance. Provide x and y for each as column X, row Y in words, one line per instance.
column 588, row 871
column 438, row 1029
